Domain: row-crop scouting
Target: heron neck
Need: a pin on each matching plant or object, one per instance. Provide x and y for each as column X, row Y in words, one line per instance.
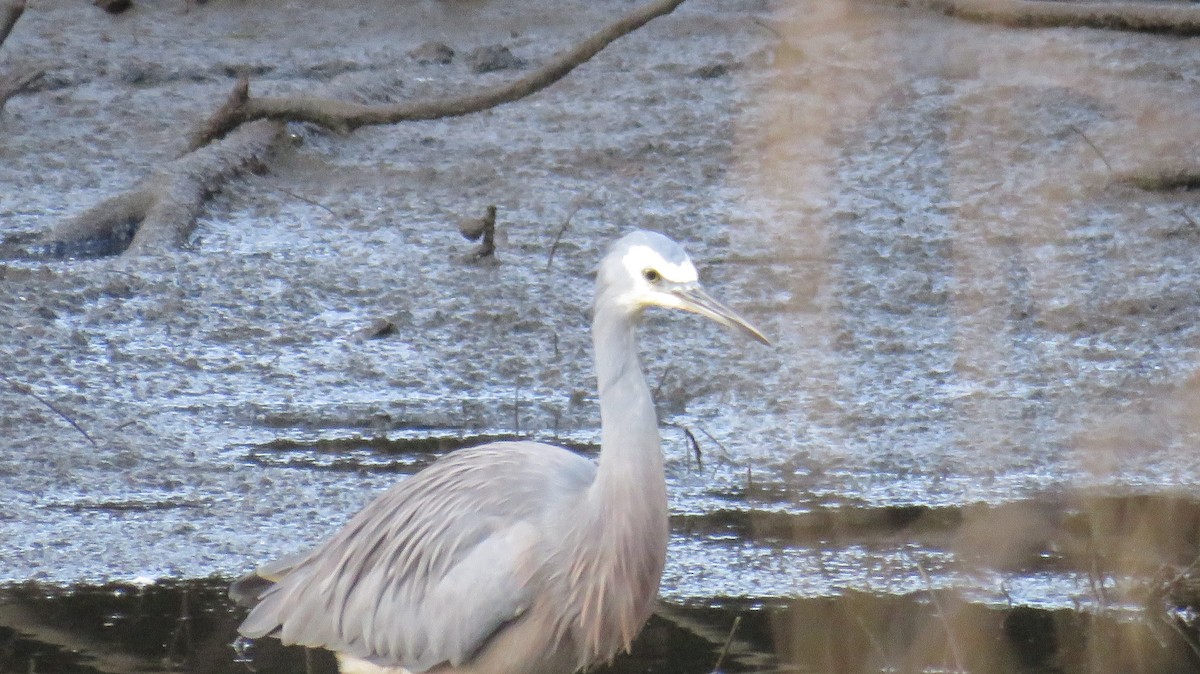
column 630, row 451
column 618, row 559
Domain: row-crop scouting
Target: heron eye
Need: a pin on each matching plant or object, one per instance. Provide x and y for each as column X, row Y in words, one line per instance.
column 651, row 275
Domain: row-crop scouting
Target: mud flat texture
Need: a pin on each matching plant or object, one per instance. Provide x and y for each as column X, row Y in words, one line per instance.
column 974, row 246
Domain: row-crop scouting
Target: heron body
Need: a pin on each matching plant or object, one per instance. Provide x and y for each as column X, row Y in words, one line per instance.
column 511, row 556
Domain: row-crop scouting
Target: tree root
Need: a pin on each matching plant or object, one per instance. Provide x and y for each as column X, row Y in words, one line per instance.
column 160, row 212
column 344, row 117
column 1131, row 16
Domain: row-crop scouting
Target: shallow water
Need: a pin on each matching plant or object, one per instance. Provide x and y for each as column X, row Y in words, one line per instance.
column 982, row 385
column 191, row 626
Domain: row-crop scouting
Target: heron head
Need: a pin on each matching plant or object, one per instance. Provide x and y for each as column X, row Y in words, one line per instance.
column 646, row 269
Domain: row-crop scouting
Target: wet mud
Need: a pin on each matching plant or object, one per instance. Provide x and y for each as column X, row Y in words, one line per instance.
column 972, row 446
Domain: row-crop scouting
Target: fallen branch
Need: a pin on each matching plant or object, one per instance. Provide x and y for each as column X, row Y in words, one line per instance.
column 1172, row 19
column 344, row 117
column 1167, row 178
column 160, row 211
column 14, row 83
column 12, row 12
column 1091, row 145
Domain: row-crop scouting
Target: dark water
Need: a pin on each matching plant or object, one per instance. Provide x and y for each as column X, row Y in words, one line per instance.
column 191, row 627
column 1076, row 581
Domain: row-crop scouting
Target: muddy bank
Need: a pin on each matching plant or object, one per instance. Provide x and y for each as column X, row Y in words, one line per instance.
column 985, row 338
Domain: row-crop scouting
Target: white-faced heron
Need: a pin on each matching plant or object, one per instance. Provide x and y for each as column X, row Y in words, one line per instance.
column 511, row 556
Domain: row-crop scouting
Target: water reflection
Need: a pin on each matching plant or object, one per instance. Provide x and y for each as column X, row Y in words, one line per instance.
column 191, row 627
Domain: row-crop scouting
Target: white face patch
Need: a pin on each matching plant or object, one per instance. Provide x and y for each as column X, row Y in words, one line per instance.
column 639, row 258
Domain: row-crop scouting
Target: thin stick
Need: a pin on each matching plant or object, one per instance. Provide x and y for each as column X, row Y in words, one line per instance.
column 941, row 614
column 1092, row 145
column 23, row 388
column 301, row 198
column 728, row 640
column 695, row 448
column 567, row 223
column 912, row 151
column 662, row 380
column 724, row 449
column 767, row 27
column 875, row 642
column 517, row 409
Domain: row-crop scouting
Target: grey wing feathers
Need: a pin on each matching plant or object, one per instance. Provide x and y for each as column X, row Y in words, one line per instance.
column 430, row 569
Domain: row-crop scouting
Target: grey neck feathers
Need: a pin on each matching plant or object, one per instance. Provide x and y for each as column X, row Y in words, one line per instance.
column 621, row 562
column 629, row 441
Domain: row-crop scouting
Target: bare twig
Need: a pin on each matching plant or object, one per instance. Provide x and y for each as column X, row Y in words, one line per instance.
column 724, row 449
column 567, row 223
column 767, row 27
column 941, row 614
column 28, row 390
column 517, row 409
column 911, row 152
column 212, row 127
column 728, row 640
column 695, row 448
column 1092, row 145
column 306, row 200
column 12, row 12
column 662, row 380
column 181, row 645
column 875, row 642
column 343, row 117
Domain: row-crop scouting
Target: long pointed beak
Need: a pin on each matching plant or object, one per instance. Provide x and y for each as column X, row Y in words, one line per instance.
column 694, row 299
